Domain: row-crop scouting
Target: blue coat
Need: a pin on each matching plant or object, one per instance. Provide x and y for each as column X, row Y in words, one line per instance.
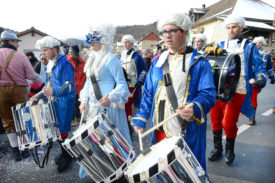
column 254, row 68
column 62, row 82
column 200, row 91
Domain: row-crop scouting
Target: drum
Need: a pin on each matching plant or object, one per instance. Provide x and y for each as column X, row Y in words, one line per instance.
column 101, row 149
column 170, row 160
column 226, row 73
column 35, row 123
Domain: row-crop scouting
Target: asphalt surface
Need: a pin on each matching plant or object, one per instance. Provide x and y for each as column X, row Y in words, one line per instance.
column 254, row 149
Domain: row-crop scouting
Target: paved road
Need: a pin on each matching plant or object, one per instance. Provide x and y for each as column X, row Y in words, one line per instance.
column 254, row 149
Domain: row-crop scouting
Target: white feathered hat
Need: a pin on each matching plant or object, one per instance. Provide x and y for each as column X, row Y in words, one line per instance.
column 234, row 19
column 260, row 38
column 178, row 19
column 201, row 36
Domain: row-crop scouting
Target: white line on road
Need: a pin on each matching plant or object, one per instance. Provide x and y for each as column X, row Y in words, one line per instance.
column 241, row 129
column 267, row 113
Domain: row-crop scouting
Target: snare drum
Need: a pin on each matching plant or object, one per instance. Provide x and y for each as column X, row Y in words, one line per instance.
column 226, row 74
column 101, row 149
column 35, row 123
column 170, row 160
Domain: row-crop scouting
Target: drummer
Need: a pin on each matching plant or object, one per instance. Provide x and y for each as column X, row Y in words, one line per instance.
column 61, row 88
column 105, row 86
column 15, row 68
column 267, row 58
column 225, row 115
column 192, row 82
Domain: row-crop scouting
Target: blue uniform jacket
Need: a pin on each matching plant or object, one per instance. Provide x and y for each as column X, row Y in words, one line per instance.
column 200, row 90
column 254, row 68
column 62, row 82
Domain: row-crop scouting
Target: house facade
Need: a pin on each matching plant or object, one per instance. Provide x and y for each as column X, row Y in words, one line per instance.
column 259, row 18
column 29, row 38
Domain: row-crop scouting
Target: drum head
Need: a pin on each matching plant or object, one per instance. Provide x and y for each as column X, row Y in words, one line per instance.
column 146, row 166
column 226, row 73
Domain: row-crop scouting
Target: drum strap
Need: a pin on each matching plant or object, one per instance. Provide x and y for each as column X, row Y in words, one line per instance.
column 171, row 92
column 46, row 157
column 96, row 87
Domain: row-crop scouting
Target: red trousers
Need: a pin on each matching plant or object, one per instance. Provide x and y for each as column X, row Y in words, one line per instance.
column 128, row 105
column 225, row 115
column 255, row 92
column 160, row 135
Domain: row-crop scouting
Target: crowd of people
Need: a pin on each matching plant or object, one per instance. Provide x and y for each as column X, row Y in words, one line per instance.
column 155, row 85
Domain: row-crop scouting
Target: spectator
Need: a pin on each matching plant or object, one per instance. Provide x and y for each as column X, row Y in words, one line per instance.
column 15, row 68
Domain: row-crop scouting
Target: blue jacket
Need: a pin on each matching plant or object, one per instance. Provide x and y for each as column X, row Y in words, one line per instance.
column 200, row 91
column 254, row 68
column 62, row 82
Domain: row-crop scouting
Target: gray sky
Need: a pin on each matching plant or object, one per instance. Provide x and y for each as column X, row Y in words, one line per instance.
column 71, row 18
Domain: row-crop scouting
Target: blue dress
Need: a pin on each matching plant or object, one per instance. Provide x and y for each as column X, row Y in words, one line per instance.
column 112, row 82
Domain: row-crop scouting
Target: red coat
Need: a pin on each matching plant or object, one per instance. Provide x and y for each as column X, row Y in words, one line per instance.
column 79, row 75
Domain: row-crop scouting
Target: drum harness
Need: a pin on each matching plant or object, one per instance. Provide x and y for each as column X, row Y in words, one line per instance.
column 171, row 92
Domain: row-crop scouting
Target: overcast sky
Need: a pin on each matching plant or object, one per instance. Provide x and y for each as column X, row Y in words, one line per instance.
column 71, row 18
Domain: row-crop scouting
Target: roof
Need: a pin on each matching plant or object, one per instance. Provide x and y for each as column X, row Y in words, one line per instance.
column 259, row 25
column 33, row 30
column 217, row 8
column 254, row 9
column 197, row 10
column 151, row 37
column 249, row 9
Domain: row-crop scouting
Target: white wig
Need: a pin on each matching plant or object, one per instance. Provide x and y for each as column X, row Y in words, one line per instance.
column 129, row 38
column 201, row 36
column 47, row 42
column 260, row 38
column 234, row 19
column 107, row 31
column 180, row 20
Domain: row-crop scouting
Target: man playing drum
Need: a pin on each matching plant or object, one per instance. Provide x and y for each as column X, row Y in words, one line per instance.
column 225, row 115
column 177, row 77
column 15, row 68
column 61, row 88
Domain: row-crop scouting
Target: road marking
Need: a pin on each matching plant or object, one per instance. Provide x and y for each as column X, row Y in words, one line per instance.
column 267, row 113
column 241, row 129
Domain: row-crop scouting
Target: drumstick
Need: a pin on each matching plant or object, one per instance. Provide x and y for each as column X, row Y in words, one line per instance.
column 81, row 119
column 164, row 121
column 97, row 106
column 140, row 140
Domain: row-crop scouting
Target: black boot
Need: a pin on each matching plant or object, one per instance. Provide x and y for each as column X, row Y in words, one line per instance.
column 16, row 154
column 216, row 153
column 64, row 160
column 59, row 156
column 229, row 151
column 252, row 121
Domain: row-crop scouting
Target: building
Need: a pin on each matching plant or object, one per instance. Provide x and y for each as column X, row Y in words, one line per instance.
column 149, row 41
column 29, row 38
column 259, row 20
